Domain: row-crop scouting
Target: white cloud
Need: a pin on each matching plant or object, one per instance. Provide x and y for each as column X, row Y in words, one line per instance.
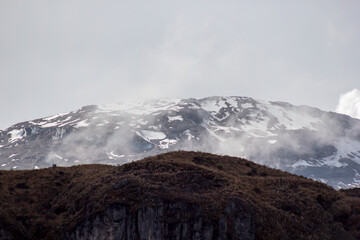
column 349, row 103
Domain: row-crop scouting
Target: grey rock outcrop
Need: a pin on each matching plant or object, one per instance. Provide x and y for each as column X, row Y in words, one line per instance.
column 5, row 235
column 178, row 221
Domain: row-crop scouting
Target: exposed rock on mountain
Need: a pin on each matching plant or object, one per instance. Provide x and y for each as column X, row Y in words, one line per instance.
column 178, row 195
column 303, row 140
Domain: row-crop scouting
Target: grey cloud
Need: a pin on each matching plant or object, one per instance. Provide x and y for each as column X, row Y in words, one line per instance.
column 59, row 56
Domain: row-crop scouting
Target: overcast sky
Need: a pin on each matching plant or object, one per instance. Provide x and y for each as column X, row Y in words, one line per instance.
column 56, row 56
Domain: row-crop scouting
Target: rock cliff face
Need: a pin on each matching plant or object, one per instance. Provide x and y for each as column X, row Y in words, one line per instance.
column 177, row 195
column 167, row 221
column 4, row 234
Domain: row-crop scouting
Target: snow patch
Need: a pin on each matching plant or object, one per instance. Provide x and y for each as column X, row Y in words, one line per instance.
column 189, row 135
column 142, row 121
column 82, row 123
column 175, row 118
column 257, row 128
column 273, row 141
column 290, row 119
column 213, row 105
column 53, row 124
column 112, row 155
column 344, row 147
column 55, row 116
column 302, row 163
column 69, row 123
column 16, row 135
column 57, row 156
column 67, row 119
column 246, row 105
column 151, row 135
column 166, row 143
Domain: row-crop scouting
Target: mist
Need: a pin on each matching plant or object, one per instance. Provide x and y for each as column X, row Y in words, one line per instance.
column 278, row 135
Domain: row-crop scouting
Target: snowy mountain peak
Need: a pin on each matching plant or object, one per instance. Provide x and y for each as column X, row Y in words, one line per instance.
column 298, row 139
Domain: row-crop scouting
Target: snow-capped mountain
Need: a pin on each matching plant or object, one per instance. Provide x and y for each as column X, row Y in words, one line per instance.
column 303, row 140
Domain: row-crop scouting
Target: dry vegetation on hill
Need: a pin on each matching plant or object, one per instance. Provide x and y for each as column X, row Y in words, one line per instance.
column 50, row 203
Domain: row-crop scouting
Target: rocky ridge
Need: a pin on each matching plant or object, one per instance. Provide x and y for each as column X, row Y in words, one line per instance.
column 177, row 195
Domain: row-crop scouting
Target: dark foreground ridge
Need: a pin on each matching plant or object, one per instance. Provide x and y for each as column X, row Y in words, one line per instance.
column 177, row 195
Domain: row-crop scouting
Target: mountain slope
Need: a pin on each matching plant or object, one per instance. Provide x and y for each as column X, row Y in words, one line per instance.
column 178, row 195
column 299, row 139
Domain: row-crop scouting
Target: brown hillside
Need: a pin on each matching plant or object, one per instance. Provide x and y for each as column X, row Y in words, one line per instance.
column 232, row 198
